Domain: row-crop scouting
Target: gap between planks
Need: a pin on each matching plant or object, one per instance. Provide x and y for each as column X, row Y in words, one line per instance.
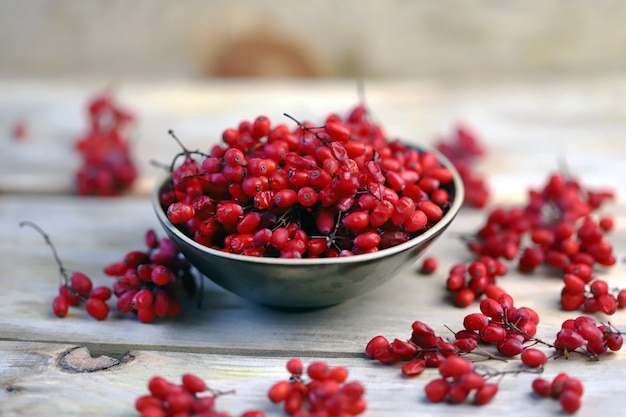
column 116, row 349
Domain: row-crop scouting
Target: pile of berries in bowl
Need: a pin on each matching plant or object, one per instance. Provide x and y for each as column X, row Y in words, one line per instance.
column 299, row 215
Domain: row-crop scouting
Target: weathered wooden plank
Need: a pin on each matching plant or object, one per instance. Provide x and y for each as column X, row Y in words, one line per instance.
column 527, row 127
column 90, row 233
column 36, row 380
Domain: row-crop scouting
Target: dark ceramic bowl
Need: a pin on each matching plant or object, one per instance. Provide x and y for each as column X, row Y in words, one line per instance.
column 308, row 283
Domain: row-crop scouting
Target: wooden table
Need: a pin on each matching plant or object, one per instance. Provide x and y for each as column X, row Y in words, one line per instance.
column 78, row 366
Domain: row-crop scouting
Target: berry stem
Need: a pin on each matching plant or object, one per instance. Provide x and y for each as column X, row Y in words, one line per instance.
column 308, row 129
column 488, row 372
column 48, row 241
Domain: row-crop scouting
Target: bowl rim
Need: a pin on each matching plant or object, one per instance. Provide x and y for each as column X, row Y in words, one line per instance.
column 443, row 223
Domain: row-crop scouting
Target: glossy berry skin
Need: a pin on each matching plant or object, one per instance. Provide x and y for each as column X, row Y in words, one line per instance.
column 570, row 401
column 97, row 308
column 341, row 180
column 180, row 212
column 429, row 265
column 60, row 306
column 533, row 357
column 318, row 388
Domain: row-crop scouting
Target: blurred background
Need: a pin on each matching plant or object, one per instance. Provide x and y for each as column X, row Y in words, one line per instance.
column 443, row 39
column 536, row 78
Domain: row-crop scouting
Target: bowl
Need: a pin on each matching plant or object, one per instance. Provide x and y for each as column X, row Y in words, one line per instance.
column 306, row 283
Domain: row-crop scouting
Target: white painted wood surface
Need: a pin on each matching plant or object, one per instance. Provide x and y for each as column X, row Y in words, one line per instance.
column 238, row 345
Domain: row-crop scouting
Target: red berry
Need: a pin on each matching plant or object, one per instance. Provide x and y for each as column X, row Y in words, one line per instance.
column 295, row 366
column 102, row 292
column 337, row 131
column 533, row 357
column 541, row 387
column 455, row 366
column 485, row 393
column 60, row 306
column 179, row 213
column 437, row 390
column 570, row 401
column 429, row 265
column 193, row 383
column 142, row 299
column 375, row 346
column 80, row 283
column 414, row 367
column 97, row 308
column 279, row 391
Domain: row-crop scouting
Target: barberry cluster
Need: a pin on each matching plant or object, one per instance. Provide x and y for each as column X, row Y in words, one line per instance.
column 459, row 380
column 502, row 324
column 146, row 284
column 468, row 281
column 107, row 168
column 568, row 390
column 147, row 281
column 583, row 334
column 558, row 220
column 75, row 287
column 336, row 190
column 425, row 349
column 464, row 150
column 583, row 290
column 169, row 399
column 326, row 393
column 511, row 330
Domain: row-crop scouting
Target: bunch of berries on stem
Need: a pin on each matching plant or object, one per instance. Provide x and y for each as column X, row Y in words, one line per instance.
column 75, row 287
column 326, row 393
column 190, row 397
column 147, row 282
column 464, row 150
column 469, row 281
column 339, row 189
column 583, row 290
column 107, row 167
column 558, row 220
column 511, row 330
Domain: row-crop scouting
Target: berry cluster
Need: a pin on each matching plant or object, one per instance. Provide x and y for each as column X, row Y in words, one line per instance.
column 582, row 334
column 511, row 330
column 107, row 167
column 327, row 393
column 558, row 221
column 582, row 290
column 467, row 281
column 335, row 190
column 502, row 324
column 148, row 280
column 458, row 381
column 425, row 349
column 568, row 390
column 464, row 150
column 75, row 287
column 169, row 399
